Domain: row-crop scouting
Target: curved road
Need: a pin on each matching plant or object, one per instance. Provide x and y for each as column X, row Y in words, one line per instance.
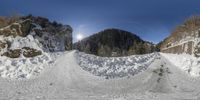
column 67, row 81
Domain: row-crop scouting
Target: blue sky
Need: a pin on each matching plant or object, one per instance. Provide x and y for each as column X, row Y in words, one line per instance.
column 152, row 20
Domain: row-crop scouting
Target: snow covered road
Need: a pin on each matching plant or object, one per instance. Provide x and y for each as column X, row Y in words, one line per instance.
column 68, row 81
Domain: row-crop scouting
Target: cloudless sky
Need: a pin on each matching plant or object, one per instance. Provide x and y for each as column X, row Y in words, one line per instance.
column 152, row 20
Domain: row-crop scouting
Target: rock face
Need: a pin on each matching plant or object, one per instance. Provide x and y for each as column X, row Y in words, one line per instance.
column 184, row 39
column 3, row 45
column 197, row 50
column 54, row 36
column 26, row 51
column 12, row 53
column 30, row 52
column 114, row 42
column 21, row 28
column 30, row 36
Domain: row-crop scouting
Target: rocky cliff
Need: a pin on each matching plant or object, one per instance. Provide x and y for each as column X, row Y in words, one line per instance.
column 30, row 36
column 114, row 42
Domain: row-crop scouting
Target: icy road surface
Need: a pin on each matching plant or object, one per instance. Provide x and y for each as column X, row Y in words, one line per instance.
column 68, row 81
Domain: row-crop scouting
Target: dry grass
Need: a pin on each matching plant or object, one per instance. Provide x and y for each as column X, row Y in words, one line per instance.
column 4, row 21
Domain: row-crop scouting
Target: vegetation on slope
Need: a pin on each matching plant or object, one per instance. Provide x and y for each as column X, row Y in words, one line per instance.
column 114, row 42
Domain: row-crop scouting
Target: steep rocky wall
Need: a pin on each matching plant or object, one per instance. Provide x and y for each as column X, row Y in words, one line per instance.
column 58, row 37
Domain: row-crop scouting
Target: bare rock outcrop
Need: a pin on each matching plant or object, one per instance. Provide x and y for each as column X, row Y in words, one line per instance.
column 21, row 28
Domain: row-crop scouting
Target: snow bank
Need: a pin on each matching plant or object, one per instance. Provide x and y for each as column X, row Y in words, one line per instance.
column 23, row 67
column 186, row 62
column 42, row 46
column 115, row 67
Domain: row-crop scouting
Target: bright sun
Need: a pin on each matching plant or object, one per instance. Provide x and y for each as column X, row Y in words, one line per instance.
column 79, row 37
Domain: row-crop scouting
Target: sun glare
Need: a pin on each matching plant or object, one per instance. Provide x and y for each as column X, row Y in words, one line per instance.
column 79, row 37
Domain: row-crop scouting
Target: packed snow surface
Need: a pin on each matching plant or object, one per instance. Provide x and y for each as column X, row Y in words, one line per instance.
column 114, row 67
column 185, row 62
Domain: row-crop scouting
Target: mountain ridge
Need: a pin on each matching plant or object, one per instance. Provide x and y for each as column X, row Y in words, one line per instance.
column 116, row 42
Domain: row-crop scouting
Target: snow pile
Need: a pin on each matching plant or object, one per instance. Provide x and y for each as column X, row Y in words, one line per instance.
column 115, row 67
column 186, row 62
column 23, row 67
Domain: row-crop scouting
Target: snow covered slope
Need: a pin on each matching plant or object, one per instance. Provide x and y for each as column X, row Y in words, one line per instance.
column 185, row 62
column 23, row 67
column 114, row 67
column 30, row 44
